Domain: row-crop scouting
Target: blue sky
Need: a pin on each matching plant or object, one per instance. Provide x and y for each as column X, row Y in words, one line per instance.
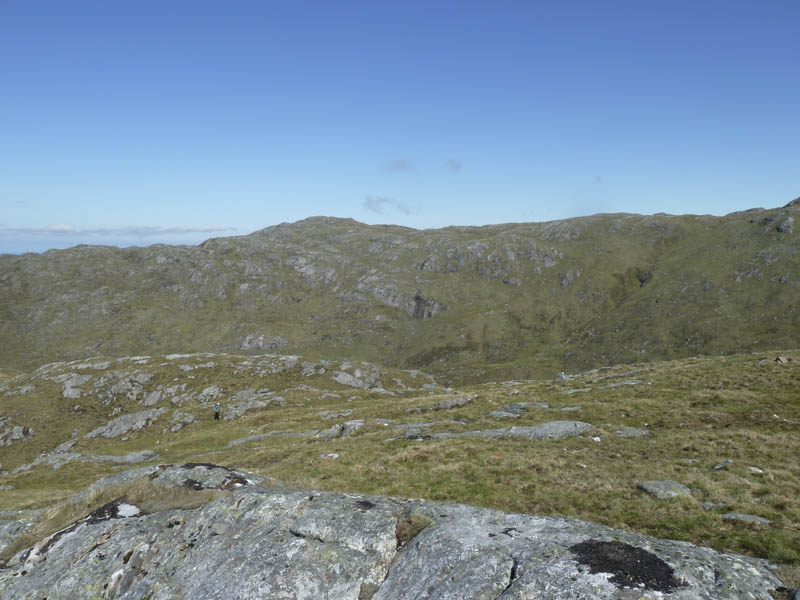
column 145, row 122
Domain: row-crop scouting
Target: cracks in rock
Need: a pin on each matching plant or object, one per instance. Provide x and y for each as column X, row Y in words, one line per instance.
column 305, row 536
column 512, row 576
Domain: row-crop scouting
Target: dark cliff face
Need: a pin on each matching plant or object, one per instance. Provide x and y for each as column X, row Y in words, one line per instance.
column 566, row 294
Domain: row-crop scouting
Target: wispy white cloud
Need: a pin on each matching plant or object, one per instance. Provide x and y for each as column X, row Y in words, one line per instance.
column 400, row 164
column 379, row 204
column 454, row 164
column 143, row 231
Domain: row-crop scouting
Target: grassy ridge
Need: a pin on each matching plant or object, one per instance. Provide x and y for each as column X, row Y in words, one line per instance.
column 533, row 297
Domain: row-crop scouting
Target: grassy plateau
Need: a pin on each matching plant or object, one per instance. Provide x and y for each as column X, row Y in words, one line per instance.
column 726, row 427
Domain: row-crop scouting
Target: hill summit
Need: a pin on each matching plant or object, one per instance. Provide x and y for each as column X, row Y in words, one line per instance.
column 466, row 303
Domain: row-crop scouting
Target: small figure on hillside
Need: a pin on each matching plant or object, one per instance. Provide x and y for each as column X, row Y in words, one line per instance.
column 217, row 408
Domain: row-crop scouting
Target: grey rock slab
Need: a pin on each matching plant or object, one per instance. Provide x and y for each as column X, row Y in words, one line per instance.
column 633, row 432
column 334, row 431
column 745, row 518
column 65, row 446
column 127, row 423
column 15, row 433
column 361, row 378
column 234, row 411
column 258, row 542
column 545, row 431
column 454, row 402
column 350, row 427
column 130, row 458
column 516, row 410
column 616, row 384
column 269, row 434
column 14, row 523
column 327, row 415
column 417, row 425
column 665, row 490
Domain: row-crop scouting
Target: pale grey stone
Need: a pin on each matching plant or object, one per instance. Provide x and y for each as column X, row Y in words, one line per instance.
column 454, row 402
column 327, row 415
column 577, row 391
column 665, row 490
column 546, row 431
column 270, row 434
column 349, row 380
column 334, row 431
column 350, row 427
column 745, row 518
column 516, row 410
column 127, row 423
column 152, row 398
column 65, row 446
column 235, row 411
column 632, row 432
column 15, row 433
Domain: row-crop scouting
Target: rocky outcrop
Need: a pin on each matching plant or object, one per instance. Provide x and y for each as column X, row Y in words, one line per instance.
column 546, row 431
column 269, row 542
column 446, row 404
column 516, row 410
column 127, row 423
column 56, row 460
column 665, row 490
column 13, row 433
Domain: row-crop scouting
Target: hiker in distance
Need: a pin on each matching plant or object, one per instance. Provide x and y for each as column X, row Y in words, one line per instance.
column 217, row 408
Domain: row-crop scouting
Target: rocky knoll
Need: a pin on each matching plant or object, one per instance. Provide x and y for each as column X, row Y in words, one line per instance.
column 567, row 294
column 256, row 541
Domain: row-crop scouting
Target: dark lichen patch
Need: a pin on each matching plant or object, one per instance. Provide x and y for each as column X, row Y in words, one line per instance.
column 192, row 465
column 110, row 510
column 629, row 565
column 233, row 482
column 365, row 504
column 193, row 484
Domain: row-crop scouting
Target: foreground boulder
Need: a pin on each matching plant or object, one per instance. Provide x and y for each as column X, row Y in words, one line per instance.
column 254, row 542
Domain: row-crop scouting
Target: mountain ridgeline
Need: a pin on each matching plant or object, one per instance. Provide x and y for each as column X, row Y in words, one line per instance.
column 465, row 303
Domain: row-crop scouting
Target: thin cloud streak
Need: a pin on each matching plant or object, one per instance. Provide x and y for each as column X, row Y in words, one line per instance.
column 379, row 204
column 400, row 164
column 454, row 164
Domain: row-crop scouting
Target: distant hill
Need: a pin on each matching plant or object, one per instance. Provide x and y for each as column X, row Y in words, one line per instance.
column 464, row 303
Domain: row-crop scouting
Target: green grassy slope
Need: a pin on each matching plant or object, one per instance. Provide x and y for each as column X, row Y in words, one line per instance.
column 700, row 411
column 517, row 299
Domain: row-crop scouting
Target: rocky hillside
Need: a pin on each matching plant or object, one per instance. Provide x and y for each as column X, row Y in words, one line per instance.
column 464, row 303
column 701, row 450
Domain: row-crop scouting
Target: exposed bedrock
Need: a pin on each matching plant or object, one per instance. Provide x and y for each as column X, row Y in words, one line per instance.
column 254, row 542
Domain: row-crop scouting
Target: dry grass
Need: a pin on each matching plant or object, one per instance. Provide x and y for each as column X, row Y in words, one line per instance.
column 147, row 495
